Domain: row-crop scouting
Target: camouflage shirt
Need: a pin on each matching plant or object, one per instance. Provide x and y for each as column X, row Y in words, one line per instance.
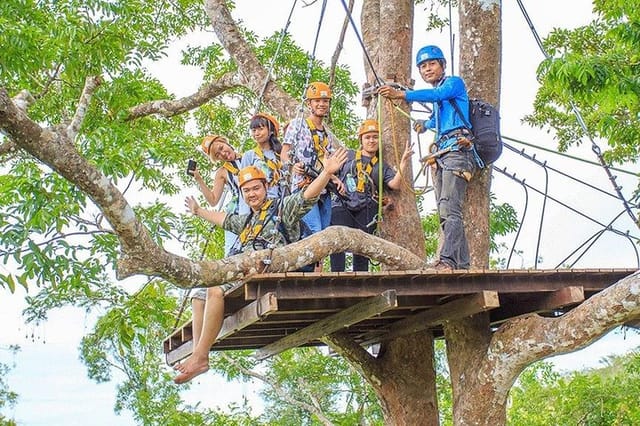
column 294, row 206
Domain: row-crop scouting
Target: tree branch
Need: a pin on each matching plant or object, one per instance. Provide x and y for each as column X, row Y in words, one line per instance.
column 7, row 147
column 253, row 73
column 55, row 149
column 187, row 274
column 282, row 393
column 358, row 357
column 169, row 108
column 90, row 86
column 521, row 341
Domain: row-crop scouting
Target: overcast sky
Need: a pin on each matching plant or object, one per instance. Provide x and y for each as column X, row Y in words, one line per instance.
column 52, row 382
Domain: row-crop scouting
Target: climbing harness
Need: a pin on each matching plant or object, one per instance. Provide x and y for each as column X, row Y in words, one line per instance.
column 251, row 232
column 361, row 172
column 274, row 166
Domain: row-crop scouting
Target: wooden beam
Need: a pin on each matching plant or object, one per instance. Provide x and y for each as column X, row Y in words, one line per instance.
column 246, row 316
column 363, row 310
column 559, row 299
column 539, row 303
column 456, row 309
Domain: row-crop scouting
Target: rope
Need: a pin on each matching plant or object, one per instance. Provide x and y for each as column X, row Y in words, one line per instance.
column 451, row 39
column 364, row 50
column 381, row 159
column 283, row 33
column 594, row 147
column 395, row 149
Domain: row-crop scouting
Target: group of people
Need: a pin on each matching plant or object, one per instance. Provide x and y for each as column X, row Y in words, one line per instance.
column 325, row 185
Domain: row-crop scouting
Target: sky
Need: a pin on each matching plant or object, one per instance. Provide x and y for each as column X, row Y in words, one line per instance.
column 52, row 382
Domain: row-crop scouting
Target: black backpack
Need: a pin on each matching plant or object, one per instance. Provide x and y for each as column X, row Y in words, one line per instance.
column 484, row 124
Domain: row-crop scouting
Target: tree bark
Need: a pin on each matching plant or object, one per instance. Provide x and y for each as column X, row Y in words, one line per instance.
column 405, row 367
column 468, row 340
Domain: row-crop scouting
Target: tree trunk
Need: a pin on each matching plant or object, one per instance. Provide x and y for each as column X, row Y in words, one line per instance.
column 402, row 376
column 468, row 340
column 407, row 387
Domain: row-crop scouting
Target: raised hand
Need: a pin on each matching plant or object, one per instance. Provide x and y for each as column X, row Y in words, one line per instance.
column 333, row 162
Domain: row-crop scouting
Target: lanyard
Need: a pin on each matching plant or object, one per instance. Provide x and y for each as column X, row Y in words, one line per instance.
column 251, row 232
column 367, row 170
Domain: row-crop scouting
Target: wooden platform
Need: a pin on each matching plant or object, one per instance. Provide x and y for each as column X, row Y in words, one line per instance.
column 275, row 312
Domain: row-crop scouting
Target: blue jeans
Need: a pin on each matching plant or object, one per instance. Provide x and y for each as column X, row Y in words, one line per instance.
column 319, row 217
column 450, row 189
column 316, row 219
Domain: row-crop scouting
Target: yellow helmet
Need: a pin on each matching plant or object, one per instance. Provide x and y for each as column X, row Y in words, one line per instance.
column 318, row 90
column 208, row 140
column 271, row 119
column 367, row 126
column 249, row 173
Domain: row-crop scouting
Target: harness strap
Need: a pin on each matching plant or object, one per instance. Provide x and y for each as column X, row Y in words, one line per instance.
column 319, row 146
column 362, row 173
column 274, row 166
column 250, row 232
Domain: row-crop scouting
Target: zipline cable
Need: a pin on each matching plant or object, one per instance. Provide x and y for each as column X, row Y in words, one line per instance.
column 364, row 50
column 562, row 154
column 594, row 147
column 273, row 58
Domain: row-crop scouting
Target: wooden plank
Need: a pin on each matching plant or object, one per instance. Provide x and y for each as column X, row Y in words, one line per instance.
column 363, row 310
column 456, row 309
column 246, row 316
column 407, row 283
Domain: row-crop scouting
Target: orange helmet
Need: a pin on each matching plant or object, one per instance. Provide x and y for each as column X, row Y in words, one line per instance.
column 208, row 140
column 250, row 173
column 367, row 126
column 271, row 119
column 318, row 90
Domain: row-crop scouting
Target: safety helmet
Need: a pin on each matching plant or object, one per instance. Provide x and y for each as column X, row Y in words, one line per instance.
column 367, row 126
column 269, row 118
column 318, row 90
column 428, row 53
column 208, row 140
column 249, row 173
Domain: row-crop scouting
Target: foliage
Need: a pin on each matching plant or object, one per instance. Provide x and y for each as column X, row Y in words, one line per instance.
column 328, row 382
column 55, row 241
column 595, row 68
column 605, row 395
column 8, row 398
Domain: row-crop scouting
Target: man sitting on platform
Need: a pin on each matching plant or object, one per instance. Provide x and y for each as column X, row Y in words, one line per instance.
column 255, row 230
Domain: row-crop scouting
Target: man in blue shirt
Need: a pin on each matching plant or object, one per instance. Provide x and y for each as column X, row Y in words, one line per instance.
column 457, row 161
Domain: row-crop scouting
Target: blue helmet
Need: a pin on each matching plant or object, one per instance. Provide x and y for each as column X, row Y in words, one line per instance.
column 428, row 53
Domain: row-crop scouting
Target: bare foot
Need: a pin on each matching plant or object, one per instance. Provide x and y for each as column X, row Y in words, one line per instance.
column 190, row 368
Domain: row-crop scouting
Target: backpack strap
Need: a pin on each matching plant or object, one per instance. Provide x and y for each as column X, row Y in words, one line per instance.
column 455, row 105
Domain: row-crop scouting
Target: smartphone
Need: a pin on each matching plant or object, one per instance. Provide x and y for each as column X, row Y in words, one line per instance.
column 191, row 167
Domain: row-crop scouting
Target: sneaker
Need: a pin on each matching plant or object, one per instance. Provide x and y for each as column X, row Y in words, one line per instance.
column 442, row 266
